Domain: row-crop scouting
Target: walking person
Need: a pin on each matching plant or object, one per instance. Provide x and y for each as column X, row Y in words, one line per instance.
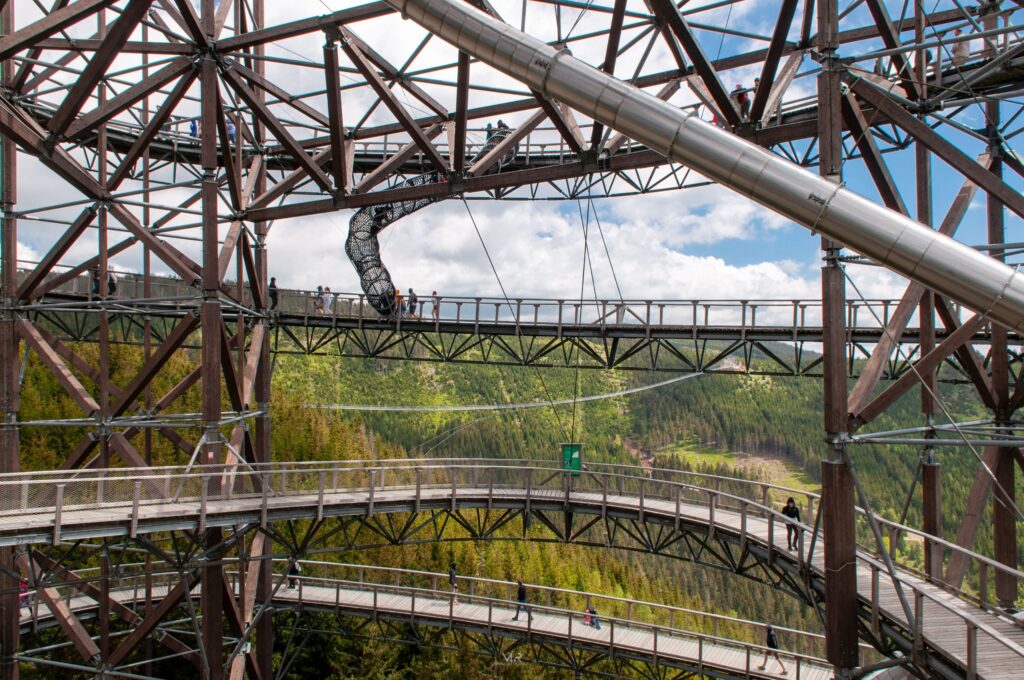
column 453, row 581
column 272, row 290
column 294, row 569
column 436, row 311
column 327, row 301
column 23, row 592
column 591, row 618
column 318, row 301
column 413, row 300
column 792, row 530
column 521, row 601
column 772, row 643
column 111, row 285
column 94, row 285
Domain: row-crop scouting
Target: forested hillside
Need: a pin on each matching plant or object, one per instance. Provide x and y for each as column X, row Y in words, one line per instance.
column 700, row 422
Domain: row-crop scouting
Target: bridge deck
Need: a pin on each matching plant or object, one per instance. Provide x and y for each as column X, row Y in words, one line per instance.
column 947, row 621
column 674, row 646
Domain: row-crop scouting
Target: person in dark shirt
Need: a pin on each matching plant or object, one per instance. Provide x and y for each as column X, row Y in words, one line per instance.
column 272, row 289
column 413, row 301
column 95, row 285
column 454, row 583
column 521, row 601
column 591, row 619
column 772, row 643
column 293, row 573
column 111, row 286
column 792, row 530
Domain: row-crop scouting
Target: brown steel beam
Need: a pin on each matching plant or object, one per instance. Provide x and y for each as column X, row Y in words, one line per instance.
column 282, row 95
column 666, row 11
column 972, row 364
column 388, row 167
column 564, row 121
column 10, row 362
column 260, row 110
column 927, row 363
column 52, row 23
column 611, row 55
column 293, row 29
column 142, row 629
column 335, row 123
column 94, row 71
column 860, row 129
column 875, row 365
column 127, row 613
column 787, row 9
column 129, row 97
column 970, row 519
column 152, row 129
column 387, row 97
column 942, row 148
column 390, row 72
column 632, row 161
column 461, row 104
column 56, row 364
column 890, row 38
column 491, row 158
column 837, row 511
column 56, row 252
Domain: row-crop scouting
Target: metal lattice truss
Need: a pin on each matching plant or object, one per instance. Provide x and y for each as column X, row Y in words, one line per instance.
column 299, row 111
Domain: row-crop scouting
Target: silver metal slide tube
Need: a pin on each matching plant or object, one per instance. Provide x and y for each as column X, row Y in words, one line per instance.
column 883, row 235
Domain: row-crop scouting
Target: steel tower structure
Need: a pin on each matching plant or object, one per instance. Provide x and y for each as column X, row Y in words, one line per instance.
column 99, row 97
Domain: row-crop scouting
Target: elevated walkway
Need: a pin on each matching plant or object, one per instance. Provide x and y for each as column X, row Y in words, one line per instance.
column 726, row 524
column 727, row 336
column 381, row 594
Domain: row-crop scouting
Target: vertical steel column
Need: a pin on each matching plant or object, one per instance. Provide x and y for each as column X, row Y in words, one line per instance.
column 103, row 332
column 1003, row 518
column 264, row 587
column 931, row 472
column 210, row 319
column 836, row 478
column 10, row 608
column 147, row 343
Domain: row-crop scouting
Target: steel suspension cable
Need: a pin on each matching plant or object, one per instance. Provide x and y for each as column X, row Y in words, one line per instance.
column 508, row 303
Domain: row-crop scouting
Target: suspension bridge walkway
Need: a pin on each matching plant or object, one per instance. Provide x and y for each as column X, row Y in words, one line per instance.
column 775, row 337
column 486, row 606
column 729, row 524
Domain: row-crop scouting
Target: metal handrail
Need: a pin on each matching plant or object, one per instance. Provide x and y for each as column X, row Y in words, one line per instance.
column 755, row 500
column 273, row 480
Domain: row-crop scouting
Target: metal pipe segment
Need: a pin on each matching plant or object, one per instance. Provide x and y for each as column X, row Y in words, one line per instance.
column 883, row 235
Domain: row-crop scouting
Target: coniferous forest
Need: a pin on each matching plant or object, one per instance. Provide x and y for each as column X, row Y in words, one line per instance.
column 767, row 428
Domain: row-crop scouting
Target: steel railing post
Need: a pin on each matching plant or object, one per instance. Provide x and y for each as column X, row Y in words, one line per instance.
column 136, row 495
column 57, row 513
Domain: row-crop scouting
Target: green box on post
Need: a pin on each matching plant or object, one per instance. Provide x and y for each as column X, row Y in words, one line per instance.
column 572, row 457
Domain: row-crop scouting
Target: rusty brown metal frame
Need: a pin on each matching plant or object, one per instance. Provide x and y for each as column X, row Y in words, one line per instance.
column 314, row 154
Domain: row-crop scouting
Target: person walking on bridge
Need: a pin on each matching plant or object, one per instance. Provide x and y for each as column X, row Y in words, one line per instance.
column 413, row 301
column 772, row 644
column 453, row 581
column 272, row 289
column 521, row 601
column 792, row 530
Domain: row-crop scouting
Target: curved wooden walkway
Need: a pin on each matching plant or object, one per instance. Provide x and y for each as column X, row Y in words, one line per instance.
column 671, row 647
column 952, row 637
